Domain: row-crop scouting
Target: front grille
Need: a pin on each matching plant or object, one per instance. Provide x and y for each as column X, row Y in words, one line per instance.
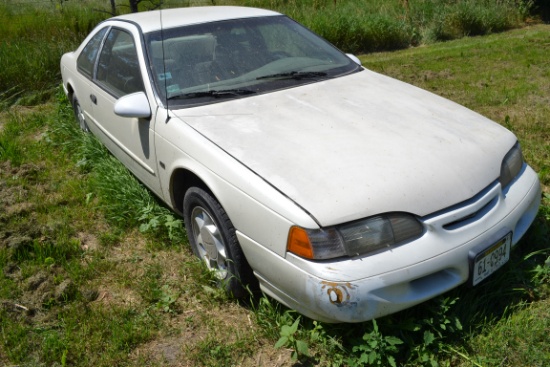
column 468, row 211
column 470, row 218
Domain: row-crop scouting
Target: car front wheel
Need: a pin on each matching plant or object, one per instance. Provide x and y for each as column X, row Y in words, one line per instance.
column 213, row 240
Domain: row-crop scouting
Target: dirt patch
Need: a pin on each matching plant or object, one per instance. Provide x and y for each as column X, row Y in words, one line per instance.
column 21, row 195
column 197, row 334
column 27, row 170
column 39, row 293
column 443, row 74
column 166, row 351
column 173, row 352
column 13, row 196
column 88, row 241
column 115, row 295
column 4, row 116
column 21, row 233
column 19, row 209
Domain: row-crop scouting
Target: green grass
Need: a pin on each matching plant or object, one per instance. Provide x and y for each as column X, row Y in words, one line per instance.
column 374, row 25
column 33, row 38
column 34, row 35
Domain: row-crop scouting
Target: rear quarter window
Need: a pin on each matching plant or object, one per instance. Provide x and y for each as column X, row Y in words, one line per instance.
column 87, row 58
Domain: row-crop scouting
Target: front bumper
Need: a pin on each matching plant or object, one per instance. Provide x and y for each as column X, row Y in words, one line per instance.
column 363, row 288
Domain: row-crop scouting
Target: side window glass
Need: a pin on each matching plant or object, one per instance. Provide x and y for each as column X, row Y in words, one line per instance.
column 118, row 67
column 86, row 59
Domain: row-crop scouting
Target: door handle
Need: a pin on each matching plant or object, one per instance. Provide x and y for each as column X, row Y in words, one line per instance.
column 93, row 98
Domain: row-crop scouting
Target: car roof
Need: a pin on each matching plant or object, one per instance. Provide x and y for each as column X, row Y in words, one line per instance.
column 151, row 21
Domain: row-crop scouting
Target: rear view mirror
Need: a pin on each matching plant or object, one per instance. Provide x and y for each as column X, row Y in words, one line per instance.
column 134, row 105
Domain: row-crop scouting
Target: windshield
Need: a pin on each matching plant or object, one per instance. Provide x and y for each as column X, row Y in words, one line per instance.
column 208, row 63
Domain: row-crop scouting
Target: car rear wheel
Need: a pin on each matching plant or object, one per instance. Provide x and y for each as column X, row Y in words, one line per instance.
column 79, row 114
column 212, row 238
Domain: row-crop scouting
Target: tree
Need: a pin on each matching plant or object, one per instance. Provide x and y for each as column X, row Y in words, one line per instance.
column 154, row 4
column 134, row 5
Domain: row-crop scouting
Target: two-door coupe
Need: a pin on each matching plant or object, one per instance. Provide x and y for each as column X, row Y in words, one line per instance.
column 345, row 194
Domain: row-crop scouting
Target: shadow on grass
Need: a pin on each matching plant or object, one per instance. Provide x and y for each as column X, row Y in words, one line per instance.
column 520, row 282
column 516, row 283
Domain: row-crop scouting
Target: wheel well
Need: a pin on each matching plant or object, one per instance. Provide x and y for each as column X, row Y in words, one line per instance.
column 182, row 180
column 70, row 91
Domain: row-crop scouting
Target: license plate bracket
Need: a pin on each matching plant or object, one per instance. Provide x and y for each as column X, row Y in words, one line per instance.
column 484, row 262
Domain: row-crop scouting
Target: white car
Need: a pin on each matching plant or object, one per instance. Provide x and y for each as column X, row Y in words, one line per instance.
column 345, row 194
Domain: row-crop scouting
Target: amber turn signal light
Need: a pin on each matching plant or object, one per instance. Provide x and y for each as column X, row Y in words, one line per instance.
column 299, row 244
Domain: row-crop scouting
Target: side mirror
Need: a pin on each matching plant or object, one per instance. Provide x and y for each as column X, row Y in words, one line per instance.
column 354, row 59
column 134, row 105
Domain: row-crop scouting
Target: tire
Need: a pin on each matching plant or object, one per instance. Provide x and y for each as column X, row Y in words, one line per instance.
column 79, row 115
column 212, row 238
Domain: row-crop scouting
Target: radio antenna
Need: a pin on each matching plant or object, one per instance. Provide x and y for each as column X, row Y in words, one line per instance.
column 164, row 76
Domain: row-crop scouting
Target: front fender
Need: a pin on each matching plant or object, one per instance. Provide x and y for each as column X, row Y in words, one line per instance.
column 255, row 208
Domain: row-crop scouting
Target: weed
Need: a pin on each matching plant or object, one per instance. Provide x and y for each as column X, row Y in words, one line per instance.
column 9, row 150
column 150, row 284
column 541, row 272
column 268, row 313
column 376, row 349
column 309, row 340
column 154, row 217
column 541, row 258
column 167, row 299
column 290, row 340
column 432, row 335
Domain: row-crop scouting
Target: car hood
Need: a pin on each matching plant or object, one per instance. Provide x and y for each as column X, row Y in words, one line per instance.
column 359, row 145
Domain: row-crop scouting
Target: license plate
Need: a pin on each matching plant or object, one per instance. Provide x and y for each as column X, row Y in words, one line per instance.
column 491, row 259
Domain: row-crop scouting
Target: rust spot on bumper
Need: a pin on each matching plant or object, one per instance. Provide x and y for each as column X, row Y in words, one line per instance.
column 339, row 294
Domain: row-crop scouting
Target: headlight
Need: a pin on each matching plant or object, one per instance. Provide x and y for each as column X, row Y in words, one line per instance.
column 357, row 238
column 511, row 165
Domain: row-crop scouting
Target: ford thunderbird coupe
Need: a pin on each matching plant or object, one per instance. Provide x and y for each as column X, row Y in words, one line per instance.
column 340, row 192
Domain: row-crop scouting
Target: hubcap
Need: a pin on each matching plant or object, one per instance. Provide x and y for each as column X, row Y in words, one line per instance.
column 81, row 118
column 209, row 240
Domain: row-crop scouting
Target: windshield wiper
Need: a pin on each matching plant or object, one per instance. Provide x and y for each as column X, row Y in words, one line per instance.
column 298, row 75
column 214, row 94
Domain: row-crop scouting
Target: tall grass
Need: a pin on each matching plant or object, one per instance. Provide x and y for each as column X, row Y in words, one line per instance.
column 32, row 40
column 371, row 25
column 124, row 199
column 473, row 18
column 34, row 35
column 359, row 30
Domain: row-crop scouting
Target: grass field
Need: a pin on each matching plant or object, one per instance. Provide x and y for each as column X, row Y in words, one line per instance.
column 35, row 33
column 94, row 272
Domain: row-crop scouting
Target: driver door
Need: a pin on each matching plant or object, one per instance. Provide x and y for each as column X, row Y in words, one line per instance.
column 118, row 73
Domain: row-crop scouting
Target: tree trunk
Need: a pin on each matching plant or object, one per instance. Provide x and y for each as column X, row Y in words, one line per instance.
column 134, row 5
